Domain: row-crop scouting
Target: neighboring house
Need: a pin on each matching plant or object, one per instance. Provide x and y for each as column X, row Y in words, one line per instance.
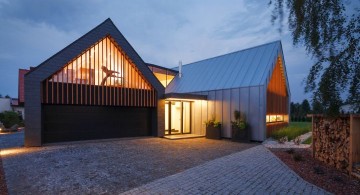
column 5, row 104
column 11, row 104
column 99, row 87
column 17, row 107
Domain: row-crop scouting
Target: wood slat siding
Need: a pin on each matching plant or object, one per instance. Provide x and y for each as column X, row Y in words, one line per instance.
column 277, row 97
column 271, row 127
column 81, row 81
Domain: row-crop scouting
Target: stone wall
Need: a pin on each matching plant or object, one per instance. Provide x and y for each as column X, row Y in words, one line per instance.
column 331, row 141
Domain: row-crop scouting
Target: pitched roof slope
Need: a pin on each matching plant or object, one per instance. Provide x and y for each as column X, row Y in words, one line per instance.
column 249, row 67
column 60, row 59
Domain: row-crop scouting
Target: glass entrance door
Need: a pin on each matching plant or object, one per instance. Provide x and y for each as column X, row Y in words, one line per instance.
column 177, row 117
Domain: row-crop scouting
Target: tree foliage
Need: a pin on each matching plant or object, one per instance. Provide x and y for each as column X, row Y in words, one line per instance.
column 9, row 118
column 330, row 32
column 299, row 111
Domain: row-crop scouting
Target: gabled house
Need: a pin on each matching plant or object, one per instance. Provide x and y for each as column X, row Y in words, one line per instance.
column 99, row 87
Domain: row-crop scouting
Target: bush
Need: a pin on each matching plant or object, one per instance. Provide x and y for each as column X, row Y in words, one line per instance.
column 292, row 131
column 9, row 118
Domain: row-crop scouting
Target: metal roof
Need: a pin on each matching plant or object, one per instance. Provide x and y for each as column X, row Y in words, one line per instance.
column 249, row 67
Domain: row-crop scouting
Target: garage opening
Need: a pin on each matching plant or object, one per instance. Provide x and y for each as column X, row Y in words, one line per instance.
column 75, row 122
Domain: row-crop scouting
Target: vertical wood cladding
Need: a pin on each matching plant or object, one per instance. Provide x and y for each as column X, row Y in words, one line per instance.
column 101, row 75
column 277, row 96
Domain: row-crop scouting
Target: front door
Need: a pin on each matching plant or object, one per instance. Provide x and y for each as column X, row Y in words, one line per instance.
column 177, row 117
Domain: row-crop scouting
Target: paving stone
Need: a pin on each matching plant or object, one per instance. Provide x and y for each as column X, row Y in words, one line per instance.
column 262, row 173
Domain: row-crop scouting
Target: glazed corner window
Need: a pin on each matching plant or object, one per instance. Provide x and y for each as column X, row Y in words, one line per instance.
column 274, row 118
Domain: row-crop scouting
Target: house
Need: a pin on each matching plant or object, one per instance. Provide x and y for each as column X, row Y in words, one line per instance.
column 5, row 104
column 99, row 87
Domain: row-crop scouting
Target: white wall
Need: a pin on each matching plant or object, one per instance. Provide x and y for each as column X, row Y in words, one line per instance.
column 5, row 104
column 221, row 104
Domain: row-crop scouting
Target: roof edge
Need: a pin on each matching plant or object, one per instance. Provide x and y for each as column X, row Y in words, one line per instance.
column 232, row 52
column 68, row 46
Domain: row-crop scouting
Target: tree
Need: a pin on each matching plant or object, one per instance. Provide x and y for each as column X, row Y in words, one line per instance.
column 7, row 96
column 1, row 96
column 305, row 107
column 332, row 37
column 317, row 107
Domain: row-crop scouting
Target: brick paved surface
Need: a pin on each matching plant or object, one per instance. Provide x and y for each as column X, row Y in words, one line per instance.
column 253, row 171
column 104, row 166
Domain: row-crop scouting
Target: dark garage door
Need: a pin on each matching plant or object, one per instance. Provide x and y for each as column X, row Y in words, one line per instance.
column 70, row 123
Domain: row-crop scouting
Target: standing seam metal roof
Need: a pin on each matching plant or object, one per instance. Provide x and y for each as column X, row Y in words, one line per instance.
column 244, row 68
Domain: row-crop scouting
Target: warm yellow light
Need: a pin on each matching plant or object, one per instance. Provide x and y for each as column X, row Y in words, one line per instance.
column 13, row 151
column 274, row 118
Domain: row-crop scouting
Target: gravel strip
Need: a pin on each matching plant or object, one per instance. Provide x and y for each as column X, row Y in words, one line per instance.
column 107, row 167
column 318, row 173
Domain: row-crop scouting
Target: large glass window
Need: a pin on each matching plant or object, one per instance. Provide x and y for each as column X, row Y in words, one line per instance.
column 274, row 118
column 177, row 117
column 103, row 64
column 186, row 117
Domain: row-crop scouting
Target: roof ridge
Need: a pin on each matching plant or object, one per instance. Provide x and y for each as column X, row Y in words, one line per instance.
column 69, row 45
column 230, row 53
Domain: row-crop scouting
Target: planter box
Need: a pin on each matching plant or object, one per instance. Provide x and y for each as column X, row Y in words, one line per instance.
column 240, row 135
column 213, row 132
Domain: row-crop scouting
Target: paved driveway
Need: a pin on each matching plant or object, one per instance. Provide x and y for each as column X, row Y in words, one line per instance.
column 104, row 167
column 252, row 171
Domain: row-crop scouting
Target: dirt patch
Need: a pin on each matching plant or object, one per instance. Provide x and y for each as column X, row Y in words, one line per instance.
column 318, row 173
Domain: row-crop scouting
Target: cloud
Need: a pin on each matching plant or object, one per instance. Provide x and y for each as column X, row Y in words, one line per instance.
column 161, row 31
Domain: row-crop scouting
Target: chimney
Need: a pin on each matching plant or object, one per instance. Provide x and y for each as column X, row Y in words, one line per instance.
column 180, row 69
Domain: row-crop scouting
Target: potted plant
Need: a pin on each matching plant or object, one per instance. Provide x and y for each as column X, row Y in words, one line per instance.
column 213, row 129
column 239, row 128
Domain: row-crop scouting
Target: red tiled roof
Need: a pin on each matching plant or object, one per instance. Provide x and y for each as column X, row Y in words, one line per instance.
column 21, row 88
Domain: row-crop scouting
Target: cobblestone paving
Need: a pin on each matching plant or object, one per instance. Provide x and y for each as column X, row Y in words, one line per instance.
column 104, row 166
column 253, row 171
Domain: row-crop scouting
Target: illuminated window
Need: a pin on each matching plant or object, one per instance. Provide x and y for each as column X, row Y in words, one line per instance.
column 274, row 118
column 103, row 64
column 164, row 75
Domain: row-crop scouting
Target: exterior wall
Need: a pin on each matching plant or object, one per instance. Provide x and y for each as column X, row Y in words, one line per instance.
column 221, row 104
column 160, row 118
column 5, row 104
column 21, row 87
column 34, row 79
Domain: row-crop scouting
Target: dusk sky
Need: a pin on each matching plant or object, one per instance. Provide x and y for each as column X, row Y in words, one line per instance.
column 161, row 31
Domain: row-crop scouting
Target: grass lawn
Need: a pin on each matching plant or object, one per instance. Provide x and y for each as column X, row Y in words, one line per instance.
column 308, row 140
column 293, row 130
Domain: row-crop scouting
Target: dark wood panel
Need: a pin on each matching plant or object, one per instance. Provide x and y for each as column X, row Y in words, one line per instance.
column 68, row 93
column 271, row 127
column 73, row 122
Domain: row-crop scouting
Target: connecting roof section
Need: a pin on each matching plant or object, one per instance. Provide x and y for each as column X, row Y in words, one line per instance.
column 245, row 68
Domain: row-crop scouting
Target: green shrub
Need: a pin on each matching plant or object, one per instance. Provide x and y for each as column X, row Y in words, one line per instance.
column 292, row 131
column 9, row 118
